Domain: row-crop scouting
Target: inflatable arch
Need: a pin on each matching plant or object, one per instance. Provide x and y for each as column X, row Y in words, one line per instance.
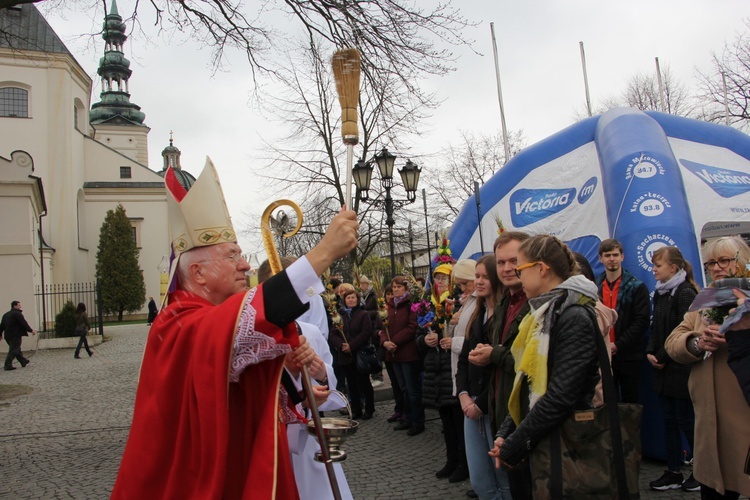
column 647, row 179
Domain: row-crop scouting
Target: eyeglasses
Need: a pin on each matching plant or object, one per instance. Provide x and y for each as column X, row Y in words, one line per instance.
column 526, row 266
column 723, row 263
column 441, row 278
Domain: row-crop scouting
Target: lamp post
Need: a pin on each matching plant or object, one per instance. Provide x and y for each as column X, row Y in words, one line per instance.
column 362, row 173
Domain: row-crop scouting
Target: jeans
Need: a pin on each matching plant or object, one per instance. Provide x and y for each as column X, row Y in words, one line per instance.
column 359, row 385
column 398, row 394
column 678, row 416
column 83, row 342
column 488, row 482
column 407, row 375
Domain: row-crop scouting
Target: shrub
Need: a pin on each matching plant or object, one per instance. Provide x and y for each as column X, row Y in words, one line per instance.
column 65, row 321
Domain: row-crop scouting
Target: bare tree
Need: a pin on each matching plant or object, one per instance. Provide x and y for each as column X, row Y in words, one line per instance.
column 642, row 92
column 308, row 160
column 477, row 158
column 398, row 37
column 733, row 64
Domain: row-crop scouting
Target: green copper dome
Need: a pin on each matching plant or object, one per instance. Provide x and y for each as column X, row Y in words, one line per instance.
column 115, row 107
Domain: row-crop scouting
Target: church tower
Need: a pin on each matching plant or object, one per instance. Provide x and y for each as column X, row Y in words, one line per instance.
column 117, row 122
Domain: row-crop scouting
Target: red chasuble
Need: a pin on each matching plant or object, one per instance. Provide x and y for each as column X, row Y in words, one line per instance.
column 195, row 434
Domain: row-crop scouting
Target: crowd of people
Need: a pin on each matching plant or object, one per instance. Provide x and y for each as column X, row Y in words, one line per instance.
column 497, row 401
column 504, row 347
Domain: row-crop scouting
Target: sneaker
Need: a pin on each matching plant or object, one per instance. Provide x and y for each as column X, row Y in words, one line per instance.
column 690, row 484
column 376, row 383
column 668, row 481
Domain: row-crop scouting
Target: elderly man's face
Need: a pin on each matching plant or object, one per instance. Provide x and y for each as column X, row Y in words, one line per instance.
column 224, row 272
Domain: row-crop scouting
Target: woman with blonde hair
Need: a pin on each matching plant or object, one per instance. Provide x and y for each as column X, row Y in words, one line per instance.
column 722, row 416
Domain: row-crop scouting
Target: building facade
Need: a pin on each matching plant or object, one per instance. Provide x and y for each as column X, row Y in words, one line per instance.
column 64, row 162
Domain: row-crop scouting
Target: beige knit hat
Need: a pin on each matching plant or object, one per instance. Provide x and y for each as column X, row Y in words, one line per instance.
column 464, row 269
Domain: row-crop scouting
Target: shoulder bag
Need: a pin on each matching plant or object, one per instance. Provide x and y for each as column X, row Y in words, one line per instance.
column 596, row 453
column 367, row 359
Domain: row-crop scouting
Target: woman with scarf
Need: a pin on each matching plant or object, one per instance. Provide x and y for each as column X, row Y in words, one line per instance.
column 554, row 352
column 401, row 348
column 472, row 383
column 357, row 330
column 675, row 291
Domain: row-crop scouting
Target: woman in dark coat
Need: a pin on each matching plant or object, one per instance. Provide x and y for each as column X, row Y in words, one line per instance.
column 675, row 291
column 82, row 328
column 399, row 341
column 357, row 332
column 152, row 311
column 437, row 387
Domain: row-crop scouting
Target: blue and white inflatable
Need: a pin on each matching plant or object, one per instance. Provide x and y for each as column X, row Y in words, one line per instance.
column 647, row 179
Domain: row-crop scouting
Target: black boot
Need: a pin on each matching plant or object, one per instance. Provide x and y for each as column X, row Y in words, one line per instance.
column 446, row 471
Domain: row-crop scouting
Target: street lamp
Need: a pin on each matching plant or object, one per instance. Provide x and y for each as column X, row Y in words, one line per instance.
column 362, row 173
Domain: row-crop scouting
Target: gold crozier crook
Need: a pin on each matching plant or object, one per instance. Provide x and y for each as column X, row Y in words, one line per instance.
column 275, row 264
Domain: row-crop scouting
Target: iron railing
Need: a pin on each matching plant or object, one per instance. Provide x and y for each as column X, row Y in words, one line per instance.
column 52, row 298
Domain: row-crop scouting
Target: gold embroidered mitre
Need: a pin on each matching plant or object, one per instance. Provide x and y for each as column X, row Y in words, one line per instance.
column 199, row 217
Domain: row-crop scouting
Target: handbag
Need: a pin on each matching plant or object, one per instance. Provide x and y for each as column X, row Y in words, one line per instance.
column 367, row 360
column 596, row 453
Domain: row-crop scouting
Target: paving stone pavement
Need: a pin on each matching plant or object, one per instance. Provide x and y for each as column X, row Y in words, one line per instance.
column 65, row 439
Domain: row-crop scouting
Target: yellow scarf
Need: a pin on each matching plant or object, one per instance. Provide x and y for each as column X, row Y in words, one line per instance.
column 530, row 351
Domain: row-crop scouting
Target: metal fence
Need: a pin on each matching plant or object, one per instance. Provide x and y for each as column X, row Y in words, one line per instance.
column 52, row 298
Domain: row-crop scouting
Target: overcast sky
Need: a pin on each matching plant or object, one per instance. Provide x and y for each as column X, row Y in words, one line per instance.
column 539, row 58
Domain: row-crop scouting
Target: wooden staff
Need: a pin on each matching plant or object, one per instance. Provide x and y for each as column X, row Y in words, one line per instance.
column 346, row 68
column 275, row 264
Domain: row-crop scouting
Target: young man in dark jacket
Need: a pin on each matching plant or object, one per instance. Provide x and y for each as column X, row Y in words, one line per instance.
column 623, row 292
column 14, row 326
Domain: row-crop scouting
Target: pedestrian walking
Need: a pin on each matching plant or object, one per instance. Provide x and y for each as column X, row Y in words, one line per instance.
column 152, row 311
column 15, row 327
column 82, row 330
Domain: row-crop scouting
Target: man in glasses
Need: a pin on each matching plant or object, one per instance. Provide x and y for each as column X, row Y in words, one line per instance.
column 209, row 417
column 623, row 292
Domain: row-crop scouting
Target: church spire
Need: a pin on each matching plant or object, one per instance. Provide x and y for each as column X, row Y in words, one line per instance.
column 115, row 107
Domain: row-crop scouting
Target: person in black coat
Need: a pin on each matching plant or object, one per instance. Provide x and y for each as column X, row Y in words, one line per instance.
column 675, row 291
column 14, row 326
column 152, row 311
column 357, row 332
column 437, row 389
